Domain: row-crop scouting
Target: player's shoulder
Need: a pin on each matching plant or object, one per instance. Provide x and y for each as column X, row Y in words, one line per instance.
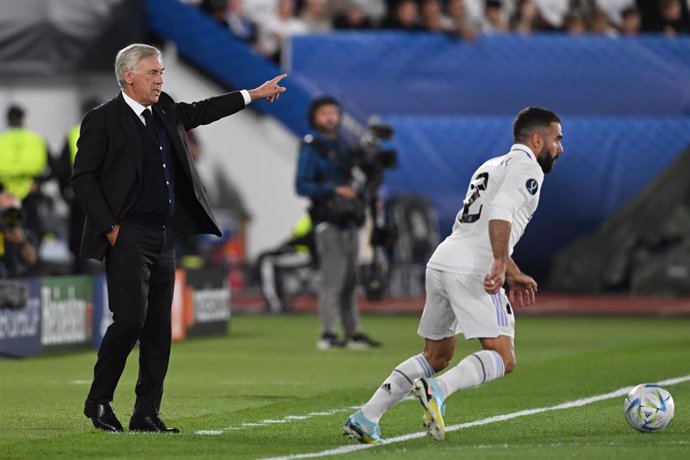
column 521, row 156
column 521, row 161
column 527, row 172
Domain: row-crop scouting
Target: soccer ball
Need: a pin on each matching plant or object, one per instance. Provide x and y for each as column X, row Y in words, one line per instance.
column 649, row 407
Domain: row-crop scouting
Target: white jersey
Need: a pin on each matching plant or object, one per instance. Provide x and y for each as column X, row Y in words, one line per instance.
column 503, row 188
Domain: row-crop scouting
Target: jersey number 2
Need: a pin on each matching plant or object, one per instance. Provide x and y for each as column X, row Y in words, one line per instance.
column 477, row 186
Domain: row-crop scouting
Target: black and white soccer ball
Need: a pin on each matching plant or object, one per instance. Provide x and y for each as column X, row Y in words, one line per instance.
column 649, row 407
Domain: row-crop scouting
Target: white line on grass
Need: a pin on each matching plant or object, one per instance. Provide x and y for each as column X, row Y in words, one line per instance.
column 286, row 419
column 485, row 421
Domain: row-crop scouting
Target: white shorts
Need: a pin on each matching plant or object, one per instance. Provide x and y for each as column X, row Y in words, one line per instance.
column 458, row 304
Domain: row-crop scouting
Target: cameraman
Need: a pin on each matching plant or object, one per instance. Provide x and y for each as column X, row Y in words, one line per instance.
column 17, row 254
column 324, row 175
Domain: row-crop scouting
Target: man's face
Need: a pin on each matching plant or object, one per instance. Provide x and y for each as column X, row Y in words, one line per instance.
column 145, row 84
column 552, row 148
column 327, row 118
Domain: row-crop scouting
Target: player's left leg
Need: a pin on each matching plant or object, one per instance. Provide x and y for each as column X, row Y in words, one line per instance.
column 493, row 362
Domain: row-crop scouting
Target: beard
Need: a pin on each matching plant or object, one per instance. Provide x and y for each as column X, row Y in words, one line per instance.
column 329, row 130
column 546, row 161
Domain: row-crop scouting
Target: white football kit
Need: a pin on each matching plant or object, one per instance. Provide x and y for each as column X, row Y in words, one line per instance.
column 503, row 188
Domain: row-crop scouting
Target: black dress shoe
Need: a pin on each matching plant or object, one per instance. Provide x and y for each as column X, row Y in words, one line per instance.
column 150, row 423
column 102, row 416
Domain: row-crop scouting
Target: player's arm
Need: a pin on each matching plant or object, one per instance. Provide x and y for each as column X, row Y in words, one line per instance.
column 499, row 235
column 522, row 287
column 509, row 198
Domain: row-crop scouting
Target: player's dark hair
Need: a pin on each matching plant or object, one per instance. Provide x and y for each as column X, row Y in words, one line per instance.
column 318, row 102
column 530, row 119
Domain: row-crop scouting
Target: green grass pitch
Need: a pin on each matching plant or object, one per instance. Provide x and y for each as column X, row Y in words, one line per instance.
column 265, row 391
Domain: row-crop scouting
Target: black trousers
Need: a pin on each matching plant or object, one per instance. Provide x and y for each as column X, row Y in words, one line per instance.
column 140, row 270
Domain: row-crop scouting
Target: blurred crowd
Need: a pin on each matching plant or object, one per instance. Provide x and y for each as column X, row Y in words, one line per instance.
column 24, row 166
column 265, row 24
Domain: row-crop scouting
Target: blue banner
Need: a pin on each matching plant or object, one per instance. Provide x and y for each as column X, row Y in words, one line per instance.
column 20, row 329
column 417, row 73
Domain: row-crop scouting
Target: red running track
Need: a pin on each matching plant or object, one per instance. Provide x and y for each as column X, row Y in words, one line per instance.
column 547, row 304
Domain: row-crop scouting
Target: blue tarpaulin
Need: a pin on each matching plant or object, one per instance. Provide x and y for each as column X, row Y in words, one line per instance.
column 607, row 161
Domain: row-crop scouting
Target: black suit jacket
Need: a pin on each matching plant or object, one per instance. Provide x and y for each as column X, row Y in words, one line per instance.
column 108, row 166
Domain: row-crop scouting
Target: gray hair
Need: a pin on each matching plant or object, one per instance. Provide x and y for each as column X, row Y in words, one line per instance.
column 128, row 59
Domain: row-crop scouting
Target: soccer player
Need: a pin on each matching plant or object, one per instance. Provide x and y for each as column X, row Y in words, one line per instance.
column 461, row 297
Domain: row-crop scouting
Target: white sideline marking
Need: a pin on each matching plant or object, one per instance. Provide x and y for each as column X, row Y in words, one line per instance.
column 485, row 421
column 266, row 422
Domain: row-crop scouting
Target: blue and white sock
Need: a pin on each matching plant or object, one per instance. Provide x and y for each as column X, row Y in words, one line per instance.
column 475, row 369
column 396, row 386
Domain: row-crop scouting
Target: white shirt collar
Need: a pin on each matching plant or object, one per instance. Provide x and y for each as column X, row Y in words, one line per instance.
column 524, row 148
column 135, row 106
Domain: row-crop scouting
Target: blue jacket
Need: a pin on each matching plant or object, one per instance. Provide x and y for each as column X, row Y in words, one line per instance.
column 317, row 175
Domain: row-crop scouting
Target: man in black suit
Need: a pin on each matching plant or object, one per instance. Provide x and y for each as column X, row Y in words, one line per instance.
column 136, row 180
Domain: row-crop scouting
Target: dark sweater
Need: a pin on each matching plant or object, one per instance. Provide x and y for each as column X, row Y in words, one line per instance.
column 155, row 204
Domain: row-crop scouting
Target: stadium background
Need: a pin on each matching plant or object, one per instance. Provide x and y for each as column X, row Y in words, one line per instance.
column 625, row 105
column 258, row 388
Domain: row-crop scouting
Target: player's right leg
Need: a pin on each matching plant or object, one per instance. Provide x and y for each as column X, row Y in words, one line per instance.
column 439, row 327
column 427, row 391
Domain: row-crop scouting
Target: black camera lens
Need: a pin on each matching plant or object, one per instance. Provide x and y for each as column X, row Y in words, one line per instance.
column 10, row 217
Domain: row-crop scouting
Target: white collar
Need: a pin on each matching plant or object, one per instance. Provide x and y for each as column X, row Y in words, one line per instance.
column 134, row 105
column 525, row 149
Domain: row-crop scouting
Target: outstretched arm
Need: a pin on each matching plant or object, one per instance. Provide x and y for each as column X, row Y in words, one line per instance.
column 270, row 90
column 191, row 115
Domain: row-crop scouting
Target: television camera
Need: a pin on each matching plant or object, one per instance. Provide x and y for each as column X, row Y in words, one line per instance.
column 372, row 159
